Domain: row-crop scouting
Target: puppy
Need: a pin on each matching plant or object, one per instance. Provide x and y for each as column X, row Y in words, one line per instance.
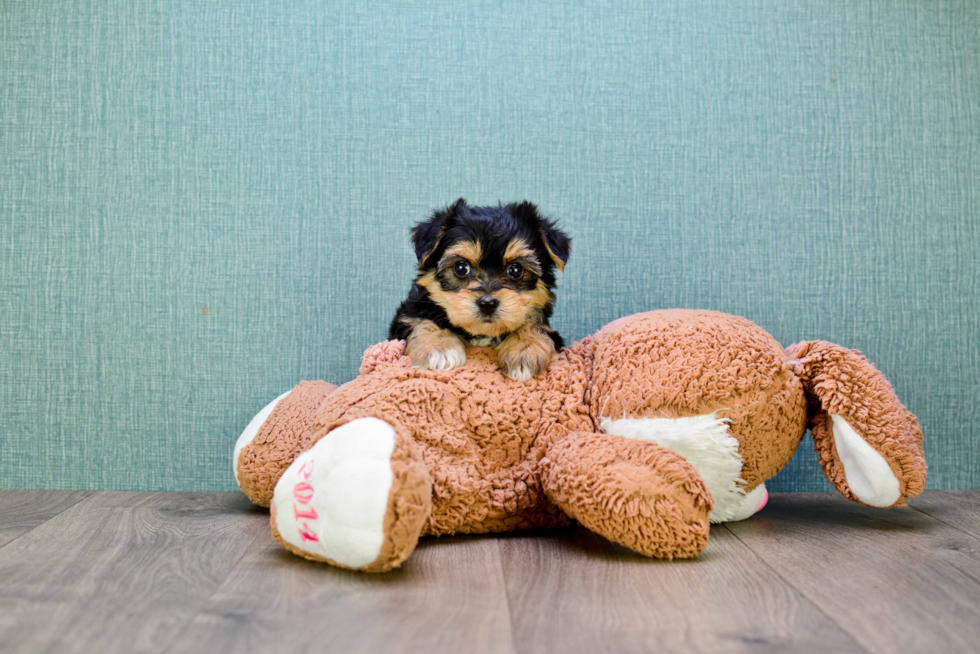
column 486, row 279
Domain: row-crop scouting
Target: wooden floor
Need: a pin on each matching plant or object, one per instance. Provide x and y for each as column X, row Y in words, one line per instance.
column 191, row 572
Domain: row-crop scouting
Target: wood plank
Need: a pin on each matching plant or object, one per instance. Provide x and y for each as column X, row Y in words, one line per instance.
column 150, row 572
column 573, row 591
column 121, row 572
column 448, row 597
column 959, row 509
column 23, row 510
column 896, row 580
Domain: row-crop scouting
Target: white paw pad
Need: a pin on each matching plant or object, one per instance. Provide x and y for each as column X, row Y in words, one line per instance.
column 332, row 500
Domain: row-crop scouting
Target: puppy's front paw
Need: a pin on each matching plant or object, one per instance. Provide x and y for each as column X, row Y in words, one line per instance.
column 452, row 357
column 431, row 348
column 525, row 354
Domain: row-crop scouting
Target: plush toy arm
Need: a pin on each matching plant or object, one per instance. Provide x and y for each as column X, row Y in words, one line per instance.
column 869, row 444
column 284, row 428
column 632, row 492
column 274, row 437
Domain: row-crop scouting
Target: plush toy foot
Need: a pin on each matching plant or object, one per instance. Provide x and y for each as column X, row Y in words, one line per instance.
column 632, row 492
column 751, row 504
column 359, row 498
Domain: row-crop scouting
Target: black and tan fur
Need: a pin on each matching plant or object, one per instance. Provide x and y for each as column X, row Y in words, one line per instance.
column 486, row 278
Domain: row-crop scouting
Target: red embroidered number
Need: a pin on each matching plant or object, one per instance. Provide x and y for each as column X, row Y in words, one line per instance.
column 303, row 493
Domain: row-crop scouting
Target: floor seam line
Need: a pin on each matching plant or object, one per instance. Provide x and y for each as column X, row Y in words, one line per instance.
column 798, row 590
column 937, row 519
column 510, row 609
column 210, row 596
column 45, row 521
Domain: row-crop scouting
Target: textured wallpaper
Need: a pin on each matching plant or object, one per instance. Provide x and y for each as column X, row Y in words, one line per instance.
column 203, row 203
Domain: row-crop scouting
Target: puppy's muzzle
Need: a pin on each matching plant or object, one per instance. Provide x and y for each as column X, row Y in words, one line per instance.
column 487, row 305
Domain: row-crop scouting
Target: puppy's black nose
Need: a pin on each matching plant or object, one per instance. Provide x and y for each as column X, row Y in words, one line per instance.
column 488, row 304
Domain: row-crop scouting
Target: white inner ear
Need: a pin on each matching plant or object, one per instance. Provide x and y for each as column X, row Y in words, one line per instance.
column 252, row 431
column 706, row 444
column 867, row 473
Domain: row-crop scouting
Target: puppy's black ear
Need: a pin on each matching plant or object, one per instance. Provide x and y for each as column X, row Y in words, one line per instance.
column 427, row 235
column 556, row 242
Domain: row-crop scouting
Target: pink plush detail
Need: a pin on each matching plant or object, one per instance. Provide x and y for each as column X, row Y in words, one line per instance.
column 765, row 500
column 382, row 353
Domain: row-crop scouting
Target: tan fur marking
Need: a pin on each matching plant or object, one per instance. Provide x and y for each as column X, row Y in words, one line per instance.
column 427, row 281
column 472, row 251
column 439, row 296
column 540, row 295
column 516, row 249
column 463, row 313
column 526, row 352
column 558, row 262
column 461, row 308
column 515, row 308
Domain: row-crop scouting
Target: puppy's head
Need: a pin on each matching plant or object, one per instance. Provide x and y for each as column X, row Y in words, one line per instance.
column 492, row 269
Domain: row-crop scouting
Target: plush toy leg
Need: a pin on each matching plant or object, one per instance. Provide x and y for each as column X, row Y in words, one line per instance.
column 870, row 446
column 704, row 442
column 358, row 498
column 635, row 493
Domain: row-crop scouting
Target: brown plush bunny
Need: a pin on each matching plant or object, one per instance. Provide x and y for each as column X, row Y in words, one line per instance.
column 644, row 432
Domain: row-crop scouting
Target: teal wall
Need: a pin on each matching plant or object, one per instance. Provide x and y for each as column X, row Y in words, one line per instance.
column 203, row 203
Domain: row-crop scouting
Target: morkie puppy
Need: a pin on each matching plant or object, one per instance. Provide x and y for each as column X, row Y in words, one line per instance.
column 485, row 279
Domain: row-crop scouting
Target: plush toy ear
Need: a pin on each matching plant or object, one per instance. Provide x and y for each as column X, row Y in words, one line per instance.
column 869, row 444
column 427, row 235
column 556, row 242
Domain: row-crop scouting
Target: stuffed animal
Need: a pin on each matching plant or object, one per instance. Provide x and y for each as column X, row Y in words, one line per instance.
column 645, row 432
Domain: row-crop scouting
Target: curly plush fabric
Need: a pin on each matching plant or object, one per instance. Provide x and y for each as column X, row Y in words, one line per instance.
column 695, row 363
column 477, row 452
column 634, row 493
column 842, row 382
column 285, row 434
column 477, row 432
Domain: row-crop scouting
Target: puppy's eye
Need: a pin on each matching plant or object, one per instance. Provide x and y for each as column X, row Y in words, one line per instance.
column 515, row 271
column 461, row 268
